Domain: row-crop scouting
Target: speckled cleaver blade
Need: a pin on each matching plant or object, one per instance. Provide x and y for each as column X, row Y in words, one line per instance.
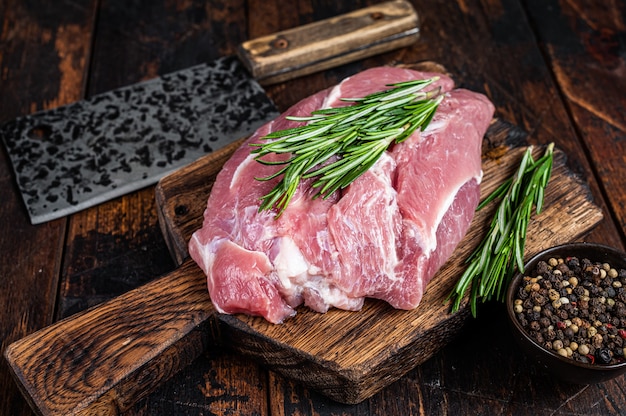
column 82, row 154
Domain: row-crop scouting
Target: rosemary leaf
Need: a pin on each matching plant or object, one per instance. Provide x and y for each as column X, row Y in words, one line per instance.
column 492, row 264
column 356, row 135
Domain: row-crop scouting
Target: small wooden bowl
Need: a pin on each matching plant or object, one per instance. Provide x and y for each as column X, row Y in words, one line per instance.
column 566, row 369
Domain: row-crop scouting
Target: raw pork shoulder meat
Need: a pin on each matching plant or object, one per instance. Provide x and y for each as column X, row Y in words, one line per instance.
column 384, row 237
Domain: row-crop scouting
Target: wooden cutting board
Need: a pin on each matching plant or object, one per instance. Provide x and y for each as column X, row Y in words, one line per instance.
column 103, row 360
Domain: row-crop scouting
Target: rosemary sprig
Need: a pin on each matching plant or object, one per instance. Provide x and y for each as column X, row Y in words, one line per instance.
column 493, row 262
column 356, row 135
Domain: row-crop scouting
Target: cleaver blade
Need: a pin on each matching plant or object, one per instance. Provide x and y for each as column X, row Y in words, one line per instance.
column 79, row 155
column 91, row 151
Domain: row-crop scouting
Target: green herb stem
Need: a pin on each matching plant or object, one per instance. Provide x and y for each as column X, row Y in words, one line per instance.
column 337, row 145
column 492, row 264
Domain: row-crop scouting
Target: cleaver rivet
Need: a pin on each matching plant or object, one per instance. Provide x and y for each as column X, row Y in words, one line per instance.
column 377, row 16
column 280, row 43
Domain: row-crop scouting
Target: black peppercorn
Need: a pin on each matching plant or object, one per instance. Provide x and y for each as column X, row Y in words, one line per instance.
column 562, row 267
column 603, row 356
column 542, row 268
column 522, row 293
column 573, row 262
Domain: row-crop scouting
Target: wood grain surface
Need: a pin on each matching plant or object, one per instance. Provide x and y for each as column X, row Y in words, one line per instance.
column 553, row 68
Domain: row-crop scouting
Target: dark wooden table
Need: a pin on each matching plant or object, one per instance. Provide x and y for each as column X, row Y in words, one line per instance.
column 556, row 69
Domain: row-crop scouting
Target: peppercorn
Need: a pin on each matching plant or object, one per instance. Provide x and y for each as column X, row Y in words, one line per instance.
column 594, row 271
column 541, row 268
column 522, row 294
column 528, row 303
column 553, row 295
column 538, row 298
column 597, row 340
column 562, row 268
column 573, row 262
column 603, row 355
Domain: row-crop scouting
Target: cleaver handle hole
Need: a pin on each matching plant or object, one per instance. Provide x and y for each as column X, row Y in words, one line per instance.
column 40, row 132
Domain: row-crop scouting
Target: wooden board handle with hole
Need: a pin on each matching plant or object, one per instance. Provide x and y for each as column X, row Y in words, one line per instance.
column 331, row 42
column 103, row 360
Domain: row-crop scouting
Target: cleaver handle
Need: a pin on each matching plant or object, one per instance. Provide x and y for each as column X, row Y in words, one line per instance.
column 104, row 359
column 328, row 43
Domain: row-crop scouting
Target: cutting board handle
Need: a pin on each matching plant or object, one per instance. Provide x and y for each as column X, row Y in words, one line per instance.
column 330, row 42
column 103, row 360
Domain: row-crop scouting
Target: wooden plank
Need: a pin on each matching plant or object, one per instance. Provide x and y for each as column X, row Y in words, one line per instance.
column 117, row 246
column 33, row 37
column 583, row 47
column 490, row 47
column 112, row 355
column 142, row 39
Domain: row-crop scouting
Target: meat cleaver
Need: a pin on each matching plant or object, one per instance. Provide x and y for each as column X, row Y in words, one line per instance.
column 79, row 155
